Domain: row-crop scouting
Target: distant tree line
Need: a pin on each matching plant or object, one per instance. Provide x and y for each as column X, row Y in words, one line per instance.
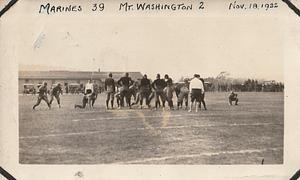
column 239, row 85
column 222, row 83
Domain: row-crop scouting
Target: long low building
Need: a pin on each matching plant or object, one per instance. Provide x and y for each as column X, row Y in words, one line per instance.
column 70, row 80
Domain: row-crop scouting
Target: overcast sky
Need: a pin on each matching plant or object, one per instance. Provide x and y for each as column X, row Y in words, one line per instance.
column 244, row 47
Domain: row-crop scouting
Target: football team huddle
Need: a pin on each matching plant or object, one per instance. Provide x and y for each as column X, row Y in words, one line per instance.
column 142, row 92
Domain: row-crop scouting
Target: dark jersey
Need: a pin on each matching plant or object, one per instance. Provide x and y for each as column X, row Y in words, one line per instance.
column 232, row 96
column 56, row 90
column 169, row 82
column 43, row 90
column 159, row 84
column 125, row 81
column 177, row 89
column 109, row 84
column 145, row 83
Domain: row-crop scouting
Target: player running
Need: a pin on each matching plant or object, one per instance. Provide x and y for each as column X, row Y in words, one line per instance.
column 158, row 85
column 55, row 92
column 196, row 91
column 125, row 82
column 42, row 95
column 110, row 88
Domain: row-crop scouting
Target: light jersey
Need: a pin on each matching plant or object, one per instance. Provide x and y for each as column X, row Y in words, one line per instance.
column 196, row 84
column 89, row 86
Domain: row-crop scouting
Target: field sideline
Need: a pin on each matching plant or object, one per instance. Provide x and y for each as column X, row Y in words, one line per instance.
column 249, row 133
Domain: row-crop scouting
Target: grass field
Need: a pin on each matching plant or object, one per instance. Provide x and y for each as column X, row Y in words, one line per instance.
column 249, row 133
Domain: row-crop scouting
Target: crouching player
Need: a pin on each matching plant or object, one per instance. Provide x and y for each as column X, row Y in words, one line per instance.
column 42, row 96
column 55, row 92
column 233, row 98
column 85, row 100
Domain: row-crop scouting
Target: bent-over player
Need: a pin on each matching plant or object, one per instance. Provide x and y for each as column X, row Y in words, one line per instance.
column 233, row 97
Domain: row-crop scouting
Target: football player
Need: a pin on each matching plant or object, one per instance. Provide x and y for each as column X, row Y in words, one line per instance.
column 183, row 94
column 85, row 100
column 196, row 91
column 169, row 90
column 158, row 85
column 110, row 89
column 42, row 95
column 125, row 82
column 233, row 98
column 145, row 90
column 55, row 92
column 88, row 91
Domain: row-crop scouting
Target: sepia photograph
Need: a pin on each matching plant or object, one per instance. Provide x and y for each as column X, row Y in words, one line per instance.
column 130, row 90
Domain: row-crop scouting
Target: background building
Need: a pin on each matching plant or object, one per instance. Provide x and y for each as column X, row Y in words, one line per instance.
column 70, row 80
